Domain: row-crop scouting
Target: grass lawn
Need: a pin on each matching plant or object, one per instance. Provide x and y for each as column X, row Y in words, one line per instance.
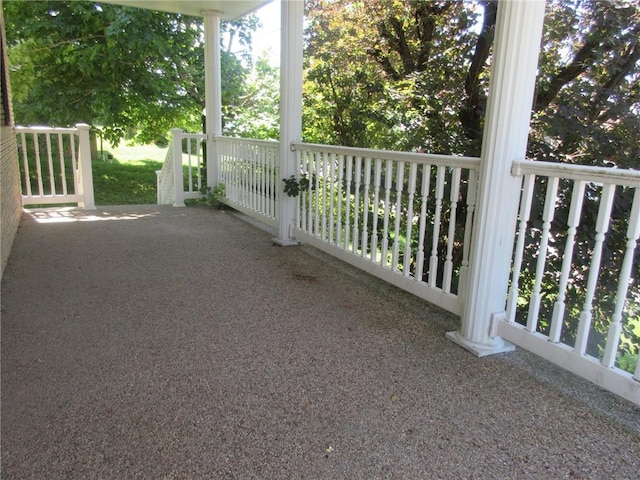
column 130, row 177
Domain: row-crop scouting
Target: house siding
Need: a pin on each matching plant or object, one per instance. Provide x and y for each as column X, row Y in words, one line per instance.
column 10, row 195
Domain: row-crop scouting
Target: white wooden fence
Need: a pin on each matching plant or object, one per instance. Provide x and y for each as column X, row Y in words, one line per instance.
column 404, row 217
column 574, row 296
column 55, row 166
column 182, row 173
column 248, row 172
column 408, row 218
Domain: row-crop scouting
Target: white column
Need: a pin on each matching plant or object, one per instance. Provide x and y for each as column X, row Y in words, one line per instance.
column 85, row 170
column 212, row 90
column 511, row 89
column 291, row 46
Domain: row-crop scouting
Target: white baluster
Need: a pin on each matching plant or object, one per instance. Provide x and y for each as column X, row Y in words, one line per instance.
column 258, row 176
column 411, row 191
column 615, row 328
column 356, row 206
column 266, row 180
column 234, row 169
column 365, row 207
column 468, row 227
column 189, row 163
column 25, row 165
column 453, row 198
column 36, row 146
column 259, row 179
column 347, row 226
column 602, row 226
column 52, row 174
column 376, row 209
column 273, row 178
column 575, row 209
column 324, row 185
column 398, row 214
column 63, row 176
column 523, row 217
column 240, row 165
column 249, row 172
column 254, row 186
column 547, row 218
column 228, row 179
column 255, row 168
column 200, row 163
column 340, row 224
column 433, row 261
column 331, row 186
column 222, row 174
column 74, row 162
column 318, row 165
column 388, row 179
column 303, row 165
column 246, row 177
column 228, row 148
column 301, row 216
column 424, row 193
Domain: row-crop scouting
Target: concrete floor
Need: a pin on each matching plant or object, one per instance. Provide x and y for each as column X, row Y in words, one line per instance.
column 155, row 342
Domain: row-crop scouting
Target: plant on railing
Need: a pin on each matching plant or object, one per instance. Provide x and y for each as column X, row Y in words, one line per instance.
column 212, row 196
column 293, row 186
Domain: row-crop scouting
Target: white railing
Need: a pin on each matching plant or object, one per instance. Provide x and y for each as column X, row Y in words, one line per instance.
column 404, row 217
column 248, row 171
column 183, row 168
column 574, row 296
column 55, row 165
column 165, row 186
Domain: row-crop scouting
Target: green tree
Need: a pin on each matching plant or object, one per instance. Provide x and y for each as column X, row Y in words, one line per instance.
column 128, row 69
column 413, row 75
column 256, row 114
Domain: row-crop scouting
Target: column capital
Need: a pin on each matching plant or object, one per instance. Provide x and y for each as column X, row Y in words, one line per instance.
column 209, row 12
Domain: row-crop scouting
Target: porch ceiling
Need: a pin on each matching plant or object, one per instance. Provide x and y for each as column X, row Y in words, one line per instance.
column 228, row 10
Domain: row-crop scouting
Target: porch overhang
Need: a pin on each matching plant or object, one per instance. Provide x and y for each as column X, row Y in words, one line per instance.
column 228, row 10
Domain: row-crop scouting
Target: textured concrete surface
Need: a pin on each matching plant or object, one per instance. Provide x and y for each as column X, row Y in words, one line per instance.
column 155, row 342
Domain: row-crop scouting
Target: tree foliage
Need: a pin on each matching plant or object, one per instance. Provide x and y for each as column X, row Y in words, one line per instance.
column 125, row 68
column 413, row 75
column 256, row 114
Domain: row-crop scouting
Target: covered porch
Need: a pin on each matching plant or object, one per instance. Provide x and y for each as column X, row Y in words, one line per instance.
column 452, row 230
column 158, row 342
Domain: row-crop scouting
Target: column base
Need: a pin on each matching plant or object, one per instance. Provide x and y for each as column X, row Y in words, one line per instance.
column 496, row 345
column 286, row 242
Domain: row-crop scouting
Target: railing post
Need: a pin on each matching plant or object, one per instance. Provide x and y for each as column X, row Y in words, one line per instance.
column 511, row 89
column 85, row 172
column 178, row 174
column 291, row 46
column 158, row 187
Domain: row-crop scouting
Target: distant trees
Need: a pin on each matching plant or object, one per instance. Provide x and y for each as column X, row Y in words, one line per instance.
column 127, row 69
